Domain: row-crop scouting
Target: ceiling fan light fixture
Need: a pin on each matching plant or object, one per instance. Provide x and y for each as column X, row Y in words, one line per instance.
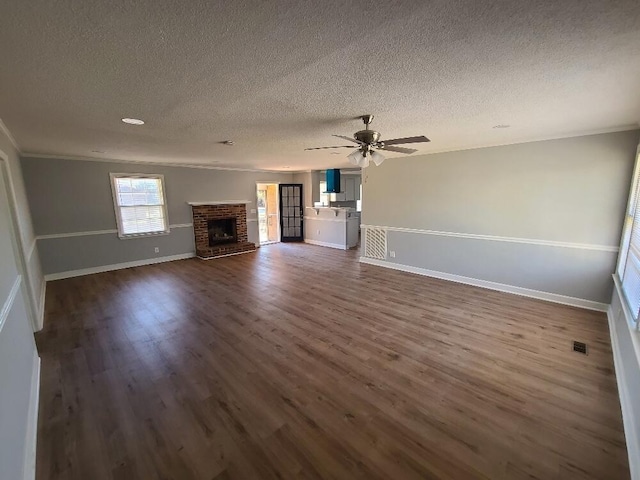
column 377, row 158
column 369, row 141
column 354, row 157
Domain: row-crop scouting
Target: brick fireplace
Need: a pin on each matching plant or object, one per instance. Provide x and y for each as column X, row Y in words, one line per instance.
column 213, row 226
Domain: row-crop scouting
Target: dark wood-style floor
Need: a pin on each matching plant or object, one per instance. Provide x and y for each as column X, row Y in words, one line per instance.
column 299, row 362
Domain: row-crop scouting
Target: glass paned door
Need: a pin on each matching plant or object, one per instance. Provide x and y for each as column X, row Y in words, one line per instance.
column 291, row 212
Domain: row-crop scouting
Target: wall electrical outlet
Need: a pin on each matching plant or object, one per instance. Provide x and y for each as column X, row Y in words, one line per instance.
column 253, row 210
column 156, row 249
column 392, row 254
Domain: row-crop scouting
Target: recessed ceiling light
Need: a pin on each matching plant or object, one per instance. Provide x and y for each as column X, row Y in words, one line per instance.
column 286, row 167
column 98, row 151
column 133, row 121
column 228, row 142
column 501, row 126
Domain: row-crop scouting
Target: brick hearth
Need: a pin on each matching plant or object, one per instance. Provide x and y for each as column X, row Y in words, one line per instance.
column 203, row 213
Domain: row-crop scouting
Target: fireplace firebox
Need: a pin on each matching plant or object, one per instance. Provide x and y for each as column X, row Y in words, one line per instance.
column 221, row 231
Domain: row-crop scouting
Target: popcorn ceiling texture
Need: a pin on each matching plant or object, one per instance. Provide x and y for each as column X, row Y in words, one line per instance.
column 279, row 76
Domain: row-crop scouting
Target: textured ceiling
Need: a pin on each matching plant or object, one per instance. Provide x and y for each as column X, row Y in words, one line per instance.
column 279, row 76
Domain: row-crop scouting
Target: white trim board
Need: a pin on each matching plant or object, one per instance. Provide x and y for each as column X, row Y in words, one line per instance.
column 635, row 338
column 151, row 162
column 31, row 440
column 584, row 133
column 116, row 266
column 8, row 303
column 325, row 244
column 43, row 296
column 543, row 138
column 626, row 402
column 322, row 219
column 32, row 248
column 17, row 232
column 501, row 287
column 3, row 128
column 221, row 202
column 496, row 238
column 102, row 232
column 76, row 234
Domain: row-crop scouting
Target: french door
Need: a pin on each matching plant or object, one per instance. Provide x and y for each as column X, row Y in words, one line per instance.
column 291, row 212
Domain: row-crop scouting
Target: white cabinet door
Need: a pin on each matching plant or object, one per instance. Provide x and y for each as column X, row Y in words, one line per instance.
column 350, row 189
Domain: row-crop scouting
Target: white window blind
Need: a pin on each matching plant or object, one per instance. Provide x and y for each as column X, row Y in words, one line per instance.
column 629, row 259
column 140, row 204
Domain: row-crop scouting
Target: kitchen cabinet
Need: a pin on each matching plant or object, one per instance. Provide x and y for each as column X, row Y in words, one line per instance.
column 350, row 189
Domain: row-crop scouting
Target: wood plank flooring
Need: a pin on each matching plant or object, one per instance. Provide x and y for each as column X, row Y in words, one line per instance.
column 297, row 362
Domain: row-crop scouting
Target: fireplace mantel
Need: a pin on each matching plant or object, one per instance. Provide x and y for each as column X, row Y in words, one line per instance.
column 220, row 202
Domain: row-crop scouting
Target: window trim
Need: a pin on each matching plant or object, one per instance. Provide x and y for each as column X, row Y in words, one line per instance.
column 118, row 212
column 632, row 205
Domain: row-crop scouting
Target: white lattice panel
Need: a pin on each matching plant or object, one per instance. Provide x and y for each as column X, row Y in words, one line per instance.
column 375, row 243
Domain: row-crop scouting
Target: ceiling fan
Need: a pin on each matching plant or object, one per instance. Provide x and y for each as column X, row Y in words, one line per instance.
column 369, row 143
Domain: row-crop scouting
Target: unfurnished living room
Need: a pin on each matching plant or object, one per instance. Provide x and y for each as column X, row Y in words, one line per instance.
column 319, row 240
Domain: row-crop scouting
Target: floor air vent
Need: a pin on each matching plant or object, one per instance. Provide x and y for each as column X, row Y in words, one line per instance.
column 580, row 347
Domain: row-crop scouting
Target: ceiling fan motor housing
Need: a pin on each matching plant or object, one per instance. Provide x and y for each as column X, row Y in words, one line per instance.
column 368, row 137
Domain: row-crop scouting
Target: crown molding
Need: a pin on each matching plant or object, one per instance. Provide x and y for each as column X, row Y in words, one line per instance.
column 144, row 162
column 5, row 130
column 586, row 133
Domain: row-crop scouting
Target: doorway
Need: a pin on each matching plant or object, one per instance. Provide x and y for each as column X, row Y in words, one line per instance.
column 292, row 211
column 268, row 217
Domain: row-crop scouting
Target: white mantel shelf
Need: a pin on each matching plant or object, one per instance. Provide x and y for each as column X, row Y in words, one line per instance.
column 219, row 202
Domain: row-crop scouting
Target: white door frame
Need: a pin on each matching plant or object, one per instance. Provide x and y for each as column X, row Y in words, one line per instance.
column 16, row 234
column 277, row 210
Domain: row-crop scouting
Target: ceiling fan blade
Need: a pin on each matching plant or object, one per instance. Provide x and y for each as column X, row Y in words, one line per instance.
column 399, row 149
column 351, row 139
column 322, row 148
column 400, row 141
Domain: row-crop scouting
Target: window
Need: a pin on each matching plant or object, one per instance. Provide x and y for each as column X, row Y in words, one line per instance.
column 140, row 204
column 629, row 259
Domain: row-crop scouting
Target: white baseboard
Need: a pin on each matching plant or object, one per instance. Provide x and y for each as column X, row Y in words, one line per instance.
column 31, row 440
column 116, row 266
column 626, row 402
column 501, row 287
column 325, row 244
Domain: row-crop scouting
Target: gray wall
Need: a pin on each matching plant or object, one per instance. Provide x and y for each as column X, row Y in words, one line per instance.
column 71, row 196
column 570, row 190
column 18, row 356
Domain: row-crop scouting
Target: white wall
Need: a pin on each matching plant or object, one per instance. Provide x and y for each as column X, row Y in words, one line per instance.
column 19, row 362
column 27, row 248
column 541, row 216
column 73, row 213
column 625, row 343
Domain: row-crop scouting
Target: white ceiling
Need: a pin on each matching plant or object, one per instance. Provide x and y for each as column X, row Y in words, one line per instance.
column 279, row 76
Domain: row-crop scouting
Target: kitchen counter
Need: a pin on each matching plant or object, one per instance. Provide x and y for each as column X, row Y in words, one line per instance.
column 334, row 227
